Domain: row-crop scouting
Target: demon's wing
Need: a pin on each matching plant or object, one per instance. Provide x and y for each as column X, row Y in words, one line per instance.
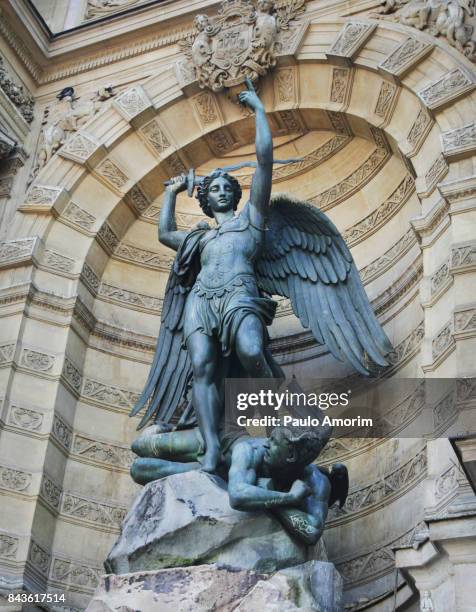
column 306, row 259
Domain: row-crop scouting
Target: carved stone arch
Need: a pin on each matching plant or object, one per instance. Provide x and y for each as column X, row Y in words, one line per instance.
column 82, row 204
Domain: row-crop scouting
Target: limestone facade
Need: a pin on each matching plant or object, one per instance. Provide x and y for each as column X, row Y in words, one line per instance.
column 383, row 115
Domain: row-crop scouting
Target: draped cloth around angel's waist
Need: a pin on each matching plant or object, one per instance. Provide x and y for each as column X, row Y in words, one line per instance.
column 219, row 311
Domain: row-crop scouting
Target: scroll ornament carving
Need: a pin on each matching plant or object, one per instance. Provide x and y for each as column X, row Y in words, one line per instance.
column 132, row 102
column 6, row 352
column 395, row 252
column 460, row 139
column 62, row 121
column 78, row 216
column 90, row 278
column 72, row 573
column 385, row 98
column 405, row 55
column 380, row 216
column 124, row 296
column 42, row 194
column 408, row 346
column 112, row 173
column 221, row 141
column 285, row 84
column 14, row 250
column 25, row 418
column 206, row 108
column 447, row 482
column 50, row 492
column 340, row 84
column 102, row 452
column 440, row 278
column 465, row 320
column 17, row 94
column 453, row 20
column 335, row 194
column 62, row 432
column 93, row 511
column 442, row 341
column 39, row 558
column 72, row 374
column 463, row 256
column 108, row 237
column 8, row 546
column 100, row 8
column 350, row 38
column 34, row 360
column 58, row 262
column 106, row 394
column 419, row 128
column 146, row 258
column 239, row 42
column 14, row 480
column 392, row 484
column 137, row 199
column 155, row 136
column 445, row 88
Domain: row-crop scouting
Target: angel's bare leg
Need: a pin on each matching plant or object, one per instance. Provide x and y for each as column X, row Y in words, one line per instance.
column 203, row 351
column 249, row 344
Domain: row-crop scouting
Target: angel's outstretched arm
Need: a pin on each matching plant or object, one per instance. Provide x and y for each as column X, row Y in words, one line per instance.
column 168, row 233
column 261, row 184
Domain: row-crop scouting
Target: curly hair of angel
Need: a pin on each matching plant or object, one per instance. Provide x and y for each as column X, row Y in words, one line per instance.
column 204, row 186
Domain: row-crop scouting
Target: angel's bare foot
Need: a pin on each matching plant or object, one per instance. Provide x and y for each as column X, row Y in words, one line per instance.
column 211, row 459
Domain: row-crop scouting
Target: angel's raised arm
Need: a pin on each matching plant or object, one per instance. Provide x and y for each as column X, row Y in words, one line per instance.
column 262, row 179
column 168, row 233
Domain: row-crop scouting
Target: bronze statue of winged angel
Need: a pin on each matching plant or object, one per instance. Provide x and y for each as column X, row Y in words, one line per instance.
column 218, row 303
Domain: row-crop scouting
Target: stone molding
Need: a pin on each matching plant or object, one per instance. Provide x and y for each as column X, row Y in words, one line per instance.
column 98, row 514
column 447, row 88
column 102, row 454
column 15, row 480
column 71, row 574
column 386, row 101
column 379, row 217
column 405, row 57
column 43, row 198
column 379, row 265
column 134, row 105
column 8, row 547
column 17, row 252
column 383, row 491
column 459, row 141
column 350, row 39
column 376, row 562
column 418, row 132
column 82, row 148
column 309, row 161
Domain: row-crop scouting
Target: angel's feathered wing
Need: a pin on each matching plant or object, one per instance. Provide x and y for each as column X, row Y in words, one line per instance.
column 306, row 260
column 171, row 370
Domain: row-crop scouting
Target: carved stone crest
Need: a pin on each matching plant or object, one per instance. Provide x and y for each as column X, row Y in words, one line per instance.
column 239, row 42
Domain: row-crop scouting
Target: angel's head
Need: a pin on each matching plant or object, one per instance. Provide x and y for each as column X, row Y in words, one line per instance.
column 289, row 447
column 218, row 192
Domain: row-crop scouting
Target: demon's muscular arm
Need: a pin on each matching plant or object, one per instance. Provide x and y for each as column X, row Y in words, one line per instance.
column 307, row 522
column 302, row 511
column 168, row 233
column 262, row 179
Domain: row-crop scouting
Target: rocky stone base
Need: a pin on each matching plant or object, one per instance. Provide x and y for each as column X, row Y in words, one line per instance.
column 187, row 519
column 314, row 586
